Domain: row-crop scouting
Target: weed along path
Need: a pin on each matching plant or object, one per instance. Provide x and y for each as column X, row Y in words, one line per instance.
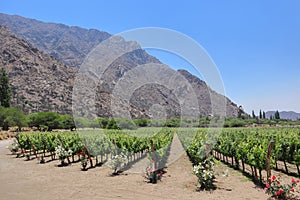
column 20, row 179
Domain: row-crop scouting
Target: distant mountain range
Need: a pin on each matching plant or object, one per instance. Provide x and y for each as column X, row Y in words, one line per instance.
column 42, row 60
column 284, row 115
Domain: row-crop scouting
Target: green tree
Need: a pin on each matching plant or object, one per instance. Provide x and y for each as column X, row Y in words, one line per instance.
column 264, row 115
column 260, row 114
column 44, row 120
column 240, row 112
column 143, row 122
column 112, row 124
column 173, row 122
column 12, row 117
column 103, row 122
column 277, row 115
column 5, row 93
column 67, row 122
column 253, row 114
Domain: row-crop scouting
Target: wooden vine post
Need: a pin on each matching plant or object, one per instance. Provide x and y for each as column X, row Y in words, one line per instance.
column 207, row 144
column 268, row 164
column 88, row 153
column 152, row 155
column 21, row 146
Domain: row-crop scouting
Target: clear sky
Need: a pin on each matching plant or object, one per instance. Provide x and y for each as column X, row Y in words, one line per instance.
column 255, row 44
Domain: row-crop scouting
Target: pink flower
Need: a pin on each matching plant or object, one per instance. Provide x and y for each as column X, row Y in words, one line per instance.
column 267, row 185
column 293, row 189
column 273, row 178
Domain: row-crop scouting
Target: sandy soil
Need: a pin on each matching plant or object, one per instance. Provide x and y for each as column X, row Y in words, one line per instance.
column 20, row 179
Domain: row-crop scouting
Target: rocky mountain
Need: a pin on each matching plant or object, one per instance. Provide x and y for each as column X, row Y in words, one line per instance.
column 67, row 44
column 284, row 115
column 42, row 67
column 205, row 95
column 38, row 81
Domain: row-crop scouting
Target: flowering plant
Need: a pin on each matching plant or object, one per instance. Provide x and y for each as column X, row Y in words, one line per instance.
column 204, row 172
column 152, row 174
column 41, row 158
column 116, row 161
column 14, row 147
column 83, row 157
column 62, row 153
column 278, row 190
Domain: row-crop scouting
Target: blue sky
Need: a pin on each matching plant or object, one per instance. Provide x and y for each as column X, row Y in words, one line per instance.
column 255, row 44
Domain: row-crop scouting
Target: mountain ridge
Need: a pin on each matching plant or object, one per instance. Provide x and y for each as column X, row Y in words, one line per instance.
column 70, row 53
column 284, row 115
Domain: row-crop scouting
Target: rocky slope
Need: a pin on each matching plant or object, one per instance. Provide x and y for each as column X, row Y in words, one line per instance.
column 67, row 44
column 38, row 81
column 42, row 82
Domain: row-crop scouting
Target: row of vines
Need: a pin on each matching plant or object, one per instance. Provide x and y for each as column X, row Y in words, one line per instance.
column 94, row 147
column 246, row 146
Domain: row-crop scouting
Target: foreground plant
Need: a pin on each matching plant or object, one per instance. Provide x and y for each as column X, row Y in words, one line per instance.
column 83, row 157
column 14, row 147
column 116, row 161
column 62, row 154
column 152, row 174
column 204, row 172
column 278, row 190
column 41, row 159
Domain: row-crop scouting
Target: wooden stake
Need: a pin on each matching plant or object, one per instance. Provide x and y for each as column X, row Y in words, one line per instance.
column 207, row 144
column 268, row 165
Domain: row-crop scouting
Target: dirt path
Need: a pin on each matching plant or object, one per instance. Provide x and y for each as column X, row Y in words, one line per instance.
column 20, row 179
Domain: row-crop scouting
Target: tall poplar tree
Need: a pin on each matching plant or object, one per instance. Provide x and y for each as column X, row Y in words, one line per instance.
column 5, row 93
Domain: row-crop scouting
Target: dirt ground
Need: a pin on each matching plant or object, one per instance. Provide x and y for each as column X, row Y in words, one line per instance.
column 20, row 179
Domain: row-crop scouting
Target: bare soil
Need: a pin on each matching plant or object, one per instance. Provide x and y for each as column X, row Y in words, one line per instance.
column 20, row 179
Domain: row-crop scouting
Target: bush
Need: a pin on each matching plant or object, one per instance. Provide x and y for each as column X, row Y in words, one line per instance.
column 112, row 124
column 234, row 122
column 67, row 122
column 143, row 122
column 174, row 122
column 103, row 122
column 12, row 117
column 48, row 120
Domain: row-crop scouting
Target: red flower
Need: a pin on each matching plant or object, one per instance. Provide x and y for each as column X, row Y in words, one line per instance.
column 84, row 149
column 81, row 154
column 273, row 178
column 293, row 180
column 267, row 185
column 32, row 147
column 293, row 189
column 298, row 181
column 278, row 182
column 279, row 192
